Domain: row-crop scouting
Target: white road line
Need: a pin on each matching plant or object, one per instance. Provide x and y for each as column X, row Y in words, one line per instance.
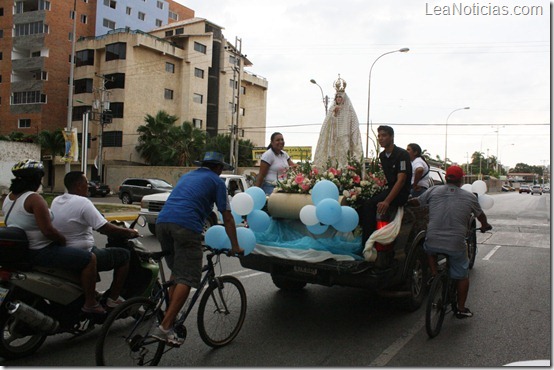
column 252, row 275
column 493, row 251
column 391, row 351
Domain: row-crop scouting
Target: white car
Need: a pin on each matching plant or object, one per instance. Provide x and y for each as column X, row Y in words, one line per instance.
column 151, row 205
column 536, row 189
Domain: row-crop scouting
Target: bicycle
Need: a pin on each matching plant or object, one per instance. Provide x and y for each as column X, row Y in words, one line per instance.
column 125, row 338
column 443, row 295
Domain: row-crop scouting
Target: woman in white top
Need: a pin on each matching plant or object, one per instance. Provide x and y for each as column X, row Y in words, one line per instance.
column 274, row 164
column 420, row 170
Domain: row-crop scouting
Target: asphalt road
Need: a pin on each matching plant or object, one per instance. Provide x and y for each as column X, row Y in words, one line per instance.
column 336, row 326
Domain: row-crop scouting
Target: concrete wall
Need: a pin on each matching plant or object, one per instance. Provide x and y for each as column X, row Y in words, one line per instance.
column 11, row 153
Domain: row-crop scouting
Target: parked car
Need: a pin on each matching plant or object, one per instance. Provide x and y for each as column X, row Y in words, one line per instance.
column 151, row 205
column 133, row 189
column 546, row 189
column 524, row 189
column 97, row 188
column 536, row 189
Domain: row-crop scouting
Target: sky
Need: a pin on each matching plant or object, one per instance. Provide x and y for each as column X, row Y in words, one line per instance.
column 461, row 55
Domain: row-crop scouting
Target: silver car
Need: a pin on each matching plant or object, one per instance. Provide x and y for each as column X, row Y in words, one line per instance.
column 536, row 189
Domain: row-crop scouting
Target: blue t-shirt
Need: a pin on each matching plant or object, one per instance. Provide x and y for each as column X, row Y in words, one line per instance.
column 192, row 199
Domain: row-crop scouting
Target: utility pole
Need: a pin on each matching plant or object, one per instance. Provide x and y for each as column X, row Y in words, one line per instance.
column 105, row 117
column 71, row 79
column 234, row 147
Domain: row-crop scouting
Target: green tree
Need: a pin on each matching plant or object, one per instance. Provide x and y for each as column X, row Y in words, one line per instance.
column 188, row 144
column 52, row 143
column 154, row 140
column 222, row 143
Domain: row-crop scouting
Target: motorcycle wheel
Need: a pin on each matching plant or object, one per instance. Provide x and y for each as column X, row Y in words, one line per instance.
column 18, row 340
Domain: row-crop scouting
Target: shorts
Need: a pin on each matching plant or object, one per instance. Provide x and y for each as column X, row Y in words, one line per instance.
column 184, row 248
column 56, row 256
column 110, row 258
column 458, row 260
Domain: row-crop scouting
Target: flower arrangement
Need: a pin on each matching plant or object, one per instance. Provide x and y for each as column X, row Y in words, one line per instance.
column 302, row 178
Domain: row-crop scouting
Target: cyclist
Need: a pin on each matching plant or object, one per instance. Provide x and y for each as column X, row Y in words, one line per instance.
column 179, row 229
column 450, row 210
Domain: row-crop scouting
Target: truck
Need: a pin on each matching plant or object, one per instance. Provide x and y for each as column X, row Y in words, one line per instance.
column 151, row 205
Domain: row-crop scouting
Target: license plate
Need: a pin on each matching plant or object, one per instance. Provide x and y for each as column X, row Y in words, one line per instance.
column 3, row 294
column 305, row 270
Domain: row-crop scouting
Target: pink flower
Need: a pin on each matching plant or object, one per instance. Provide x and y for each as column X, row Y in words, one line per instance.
column 351, row 168
column 299, row 178
column 334, row 171
column 356, row 179
column 305, row 186
column 315, row 171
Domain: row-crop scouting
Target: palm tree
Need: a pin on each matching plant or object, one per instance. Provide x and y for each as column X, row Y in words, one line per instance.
column 188, row 144
column 52, row 143
column 222, row 143
column 155, row 142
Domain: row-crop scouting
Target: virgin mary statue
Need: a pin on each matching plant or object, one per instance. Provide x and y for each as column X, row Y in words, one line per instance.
column 340, row 133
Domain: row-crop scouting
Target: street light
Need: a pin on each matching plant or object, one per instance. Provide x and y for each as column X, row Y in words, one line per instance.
column 446, row 134
column 403, row 50
column 324, row 98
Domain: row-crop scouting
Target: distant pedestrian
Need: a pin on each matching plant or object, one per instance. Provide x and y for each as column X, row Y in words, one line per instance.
column 420, row 170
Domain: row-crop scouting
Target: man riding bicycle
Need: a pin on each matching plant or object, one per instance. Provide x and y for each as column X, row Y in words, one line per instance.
column 450, row 210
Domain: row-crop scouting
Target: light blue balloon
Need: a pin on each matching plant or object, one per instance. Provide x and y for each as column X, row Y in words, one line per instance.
column 216, row 237
column 348, row 221
column 324, row 189
column 246, row 239
column 258, row 220
column 258, row 195
column 328, row 211
column 317, row 229
column 237, row 217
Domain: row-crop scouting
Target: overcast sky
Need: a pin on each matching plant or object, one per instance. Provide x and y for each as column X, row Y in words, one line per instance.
column 498, row 65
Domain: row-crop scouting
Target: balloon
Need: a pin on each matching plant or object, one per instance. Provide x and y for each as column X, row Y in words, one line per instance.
column 258, row 220
column 317, row 229
column 217, row 238
column 467, row 187
column 246, row 239
column 486, row 201
column 479, row 187
column 237, row 217
column 242, row 204
column 348, row 220
column 307, row 215
column 324, row 189
column 258, row 195
column 328, row 211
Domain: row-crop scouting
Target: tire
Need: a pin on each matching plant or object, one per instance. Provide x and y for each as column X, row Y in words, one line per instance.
column 471, row 243
column 436, row 309
column 287, row 284
column 152, row 229
column 417, row 280
column 126, row 198
column 219, row 322
column 124, row 340
column 17, row 339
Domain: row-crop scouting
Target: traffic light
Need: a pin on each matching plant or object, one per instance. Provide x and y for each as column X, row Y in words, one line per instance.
column 106, row 117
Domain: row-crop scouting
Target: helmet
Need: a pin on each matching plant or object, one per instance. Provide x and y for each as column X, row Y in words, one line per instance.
column 28, row 167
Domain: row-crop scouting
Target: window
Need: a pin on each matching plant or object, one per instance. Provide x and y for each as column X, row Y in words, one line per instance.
column 168, row 94
column 2, row 12
column 28, row 97
column 1, row 34
column 115, row 81
column 169, row 67
column 78, row 111
column 84, row 58
column 35, row 54
column 117, row 109
column 243, row 90
column 232, row 107
column 71, row 14
column 84, row 18
column 233, row 84
column 40, row 75
column 112, row 139
column 233, row 60
column 116, row 51
column 110, row 3
column 32, row 28
column 83, row 86
column 199, row 47
column 44, row 5
column 242, row 111
column 160, row 5
column 24, row 123
column 0, row 55
column 169, row 33
column 108, row 24
column 0, row 79
column 79, row 138
column 179, row 31
column 197, row 98
column 141, row 16
column 196, row 123
column 173, row 16
column 158, row 22
column 198, row 72
column 128, row 10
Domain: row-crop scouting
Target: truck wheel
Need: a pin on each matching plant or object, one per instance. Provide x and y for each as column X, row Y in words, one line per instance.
column 416, row 281
column 287, row 284
column 152, row 229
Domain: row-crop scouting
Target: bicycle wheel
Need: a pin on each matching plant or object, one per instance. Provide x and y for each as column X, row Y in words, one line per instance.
column 221, row 311
column 471, row 242
column 124, row 339
column 436, row 308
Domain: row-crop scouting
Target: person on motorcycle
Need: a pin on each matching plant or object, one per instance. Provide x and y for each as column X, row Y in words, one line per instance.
column 450, row 209
column 26, row 209
column 179, row 229
column 75, row 217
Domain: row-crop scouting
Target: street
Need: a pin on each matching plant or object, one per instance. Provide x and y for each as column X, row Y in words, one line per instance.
column 510, row 295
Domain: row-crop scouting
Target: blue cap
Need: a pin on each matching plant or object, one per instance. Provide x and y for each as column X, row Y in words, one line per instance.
column 214, row 157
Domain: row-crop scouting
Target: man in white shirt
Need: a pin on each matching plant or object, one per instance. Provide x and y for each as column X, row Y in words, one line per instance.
column 75, row 217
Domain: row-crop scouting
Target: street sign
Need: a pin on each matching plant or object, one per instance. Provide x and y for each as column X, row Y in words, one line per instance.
column 300, row 153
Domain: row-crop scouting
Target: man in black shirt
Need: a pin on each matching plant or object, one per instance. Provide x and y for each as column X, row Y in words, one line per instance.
column 398, row 172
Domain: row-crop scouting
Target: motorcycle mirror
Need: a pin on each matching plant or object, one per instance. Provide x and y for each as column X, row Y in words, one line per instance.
column 140, row 220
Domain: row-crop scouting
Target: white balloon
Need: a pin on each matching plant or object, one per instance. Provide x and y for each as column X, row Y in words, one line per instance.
column 307, row 215
column 486, row 201
column 479, row 187
column 467, row 187
column 242, row 203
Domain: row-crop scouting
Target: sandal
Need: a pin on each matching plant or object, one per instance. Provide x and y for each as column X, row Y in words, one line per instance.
column 96, row 309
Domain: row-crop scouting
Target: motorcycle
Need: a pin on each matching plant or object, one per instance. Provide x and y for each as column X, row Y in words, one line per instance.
column 37, row 302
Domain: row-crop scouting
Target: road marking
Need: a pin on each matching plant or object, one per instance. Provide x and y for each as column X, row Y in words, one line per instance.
column 489, row 255
column 391, row 351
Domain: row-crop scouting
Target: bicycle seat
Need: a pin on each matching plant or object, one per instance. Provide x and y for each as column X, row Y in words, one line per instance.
column 156, row 256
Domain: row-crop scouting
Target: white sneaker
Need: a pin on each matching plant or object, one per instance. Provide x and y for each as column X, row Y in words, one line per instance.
column 169, row 336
